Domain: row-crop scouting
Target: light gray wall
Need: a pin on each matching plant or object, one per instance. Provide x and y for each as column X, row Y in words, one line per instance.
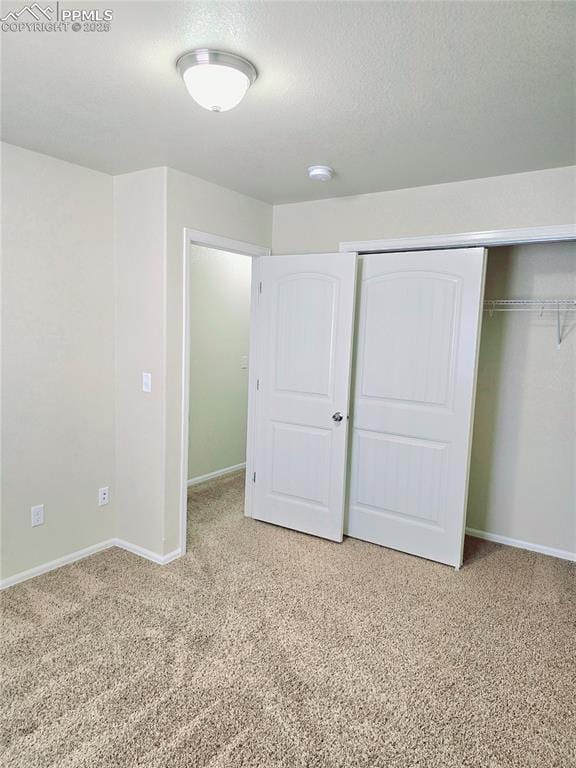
column 58, row 357
column 501, row 202
column 219, row 337
column 139, row 248
column 523, row 471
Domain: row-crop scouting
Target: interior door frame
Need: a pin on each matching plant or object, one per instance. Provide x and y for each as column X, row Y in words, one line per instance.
column 486, row 239
column 191, row 238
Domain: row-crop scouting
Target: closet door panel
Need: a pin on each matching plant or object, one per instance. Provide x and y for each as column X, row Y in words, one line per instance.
column 305, row 327
column 395, row 473
column 415, row 363
column 417, row 349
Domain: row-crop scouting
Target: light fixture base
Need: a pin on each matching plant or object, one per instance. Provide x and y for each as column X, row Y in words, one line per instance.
column 320, row 172
column 220, row 58
column 216, row 80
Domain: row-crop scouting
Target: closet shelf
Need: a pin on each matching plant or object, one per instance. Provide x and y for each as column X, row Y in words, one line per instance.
column 540, row 306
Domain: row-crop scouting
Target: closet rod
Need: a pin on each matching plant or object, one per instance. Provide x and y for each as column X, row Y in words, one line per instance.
column 533, row 305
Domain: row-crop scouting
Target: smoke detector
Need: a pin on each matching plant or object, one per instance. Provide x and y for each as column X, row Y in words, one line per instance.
column 320, row 172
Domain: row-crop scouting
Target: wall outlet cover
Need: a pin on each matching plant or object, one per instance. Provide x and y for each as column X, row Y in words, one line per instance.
column 37, row 515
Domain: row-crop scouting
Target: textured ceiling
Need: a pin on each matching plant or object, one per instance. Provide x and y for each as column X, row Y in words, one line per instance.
column 392, row 94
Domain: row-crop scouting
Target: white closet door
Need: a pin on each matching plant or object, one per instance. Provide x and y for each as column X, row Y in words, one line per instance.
column 418, row 336
column 305, row 326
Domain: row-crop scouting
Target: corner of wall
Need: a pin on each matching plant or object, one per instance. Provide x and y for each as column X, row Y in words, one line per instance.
column 139, row 248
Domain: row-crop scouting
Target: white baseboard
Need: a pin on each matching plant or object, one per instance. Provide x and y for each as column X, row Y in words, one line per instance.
column 82, row 553
column 176, row 553
column 147, row 553
column 217, row 473
column 58, row 563
column 563, row 554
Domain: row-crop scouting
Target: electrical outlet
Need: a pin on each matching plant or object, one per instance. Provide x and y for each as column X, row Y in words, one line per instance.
column 37, row 515
column 103, row 496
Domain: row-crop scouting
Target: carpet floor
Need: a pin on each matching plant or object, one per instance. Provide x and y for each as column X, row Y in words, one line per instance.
column 265, row 647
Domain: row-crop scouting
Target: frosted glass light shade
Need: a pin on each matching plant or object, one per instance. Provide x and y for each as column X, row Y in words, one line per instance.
column 216, row 80
column 215, row 87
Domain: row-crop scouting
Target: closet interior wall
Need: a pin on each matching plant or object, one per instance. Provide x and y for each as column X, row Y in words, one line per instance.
column 523, row 470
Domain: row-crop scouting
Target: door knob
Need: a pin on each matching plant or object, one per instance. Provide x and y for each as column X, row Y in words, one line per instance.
column 337, row 416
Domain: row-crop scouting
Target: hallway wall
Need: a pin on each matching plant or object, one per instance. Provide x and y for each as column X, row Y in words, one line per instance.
column 219, row 337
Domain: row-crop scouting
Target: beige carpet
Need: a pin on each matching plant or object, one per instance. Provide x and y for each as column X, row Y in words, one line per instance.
column 264, row 647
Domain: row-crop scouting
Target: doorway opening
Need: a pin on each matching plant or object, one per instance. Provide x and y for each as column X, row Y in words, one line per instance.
column 218, row 339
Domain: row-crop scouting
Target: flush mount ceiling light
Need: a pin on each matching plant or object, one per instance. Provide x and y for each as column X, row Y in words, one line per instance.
column 216, row 80
column 320, row 172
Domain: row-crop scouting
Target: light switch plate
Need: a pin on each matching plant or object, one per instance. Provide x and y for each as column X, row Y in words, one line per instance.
column 146, row 382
